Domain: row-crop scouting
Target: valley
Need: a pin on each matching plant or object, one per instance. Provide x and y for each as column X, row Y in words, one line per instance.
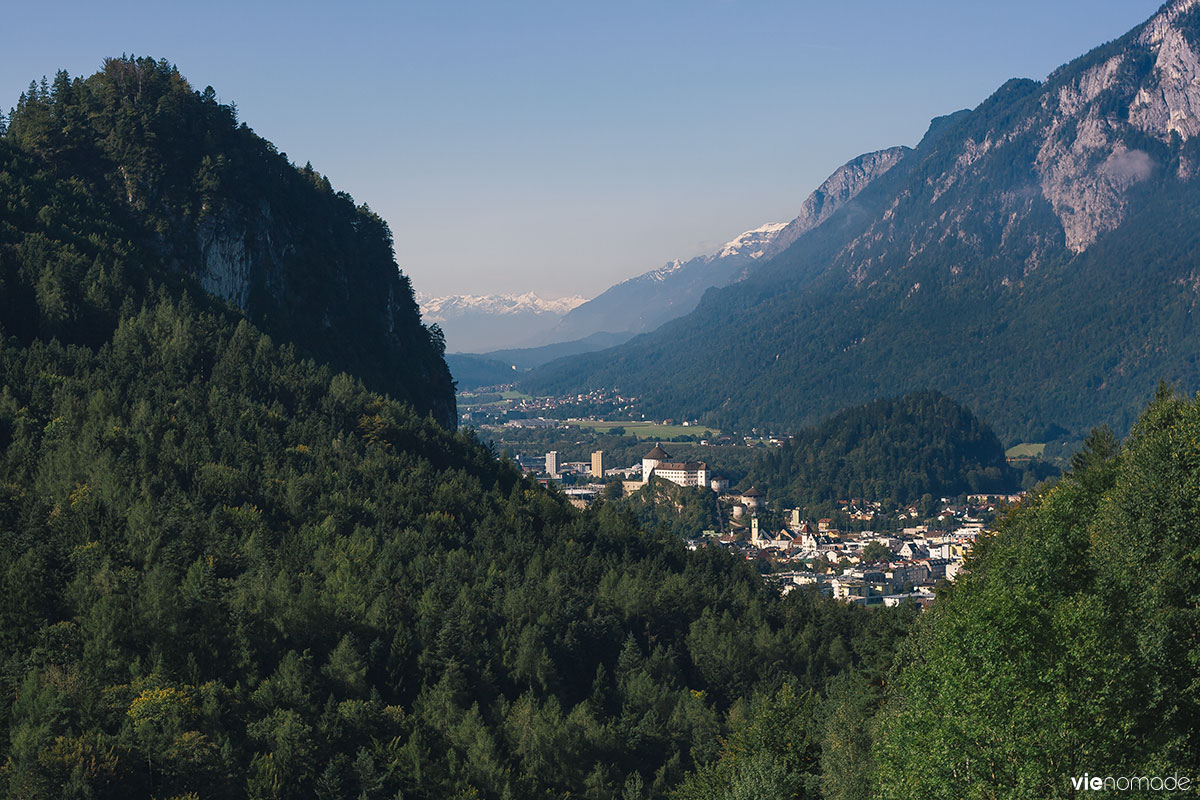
column 896, row 500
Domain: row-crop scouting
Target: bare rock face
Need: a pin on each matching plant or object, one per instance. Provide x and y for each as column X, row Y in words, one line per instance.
column 226, row 267
column 838, row 189
column 1086, row 128
column 1086, row 175
column 1085, row 165
column 1170, row 101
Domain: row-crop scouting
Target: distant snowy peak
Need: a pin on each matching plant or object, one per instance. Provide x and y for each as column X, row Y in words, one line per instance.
column 440, row 309
column 752, row 243
column 662, row 273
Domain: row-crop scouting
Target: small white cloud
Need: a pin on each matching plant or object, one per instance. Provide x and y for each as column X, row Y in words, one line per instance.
column 1127, row 167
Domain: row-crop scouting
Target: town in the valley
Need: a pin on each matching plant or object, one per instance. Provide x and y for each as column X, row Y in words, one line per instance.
column 842, row 556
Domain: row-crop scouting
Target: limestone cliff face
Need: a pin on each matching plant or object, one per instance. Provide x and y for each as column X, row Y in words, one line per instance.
column 225, row 267
column 1169, row 100
column 1089, row 159
column 341, row 300
column 1085, row 163
column 1079, row 146
column 838, row 189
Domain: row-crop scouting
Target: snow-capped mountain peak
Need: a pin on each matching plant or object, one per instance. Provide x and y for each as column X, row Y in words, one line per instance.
column 662, row 272
column 440, row 309
column 752, row 243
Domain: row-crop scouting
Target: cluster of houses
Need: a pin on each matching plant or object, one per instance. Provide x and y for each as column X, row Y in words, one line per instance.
column 863, row 567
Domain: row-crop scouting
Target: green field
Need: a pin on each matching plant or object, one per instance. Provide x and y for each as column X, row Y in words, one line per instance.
column 1025, row 450
column 645, row 430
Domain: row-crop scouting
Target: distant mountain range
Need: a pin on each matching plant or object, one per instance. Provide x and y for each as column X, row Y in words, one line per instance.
column 488, row 335
column 644, row 303
column 475, row 323
column 1036, row 257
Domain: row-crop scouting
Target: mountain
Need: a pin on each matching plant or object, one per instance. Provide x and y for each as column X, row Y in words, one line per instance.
column 644, row 303
column 837, row 190
column 1034, row 257
column 894, row 449
column 229, row 569
column 129, row 182
column 471, row 371
column 473, row 323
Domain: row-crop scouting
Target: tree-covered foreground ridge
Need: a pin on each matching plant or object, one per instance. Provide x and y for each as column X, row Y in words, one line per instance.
column 1072, row 645
column 229, row 568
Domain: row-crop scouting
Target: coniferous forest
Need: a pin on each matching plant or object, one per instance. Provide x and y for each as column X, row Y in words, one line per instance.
column 231, row 569
column 242, row 556
column 888, row 450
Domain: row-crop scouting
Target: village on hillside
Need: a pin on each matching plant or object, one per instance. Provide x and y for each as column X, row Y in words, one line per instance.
column 859, row 566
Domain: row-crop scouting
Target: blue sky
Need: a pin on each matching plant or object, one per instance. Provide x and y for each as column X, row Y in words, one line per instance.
column 560, row 147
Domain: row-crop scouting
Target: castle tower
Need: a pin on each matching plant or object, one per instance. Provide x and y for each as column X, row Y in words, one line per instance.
column 651, row 460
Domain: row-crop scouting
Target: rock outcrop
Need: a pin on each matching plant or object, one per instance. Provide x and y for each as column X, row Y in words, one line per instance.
column 837, row 190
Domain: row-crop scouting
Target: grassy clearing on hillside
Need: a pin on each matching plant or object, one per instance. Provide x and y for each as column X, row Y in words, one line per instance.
column 1025, row 450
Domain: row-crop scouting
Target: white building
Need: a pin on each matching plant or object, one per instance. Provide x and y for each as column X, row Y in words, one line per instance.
column 684, row 473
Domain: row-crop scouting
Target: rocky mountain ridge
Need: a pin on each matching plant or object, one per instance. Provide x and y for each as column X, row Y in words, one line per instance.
column 647, row 301
column 836, row 191
column 1034, row 257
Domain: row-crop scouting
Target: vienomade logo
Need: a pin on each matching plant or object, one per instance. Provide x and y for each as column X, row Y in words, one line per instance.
column 1155, row 783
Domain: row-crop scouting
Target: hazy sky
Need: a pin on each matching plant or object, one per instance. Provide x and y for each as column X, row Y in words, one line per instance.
column 563, row 146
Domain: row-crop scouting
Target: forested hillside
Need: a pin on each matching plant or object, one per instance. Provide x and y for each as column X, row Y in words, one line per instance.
column 228, row 569
column 1068, row 647
column 1034, row 258
column 889, row 450
column 1081, row 618
column 129, row 178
